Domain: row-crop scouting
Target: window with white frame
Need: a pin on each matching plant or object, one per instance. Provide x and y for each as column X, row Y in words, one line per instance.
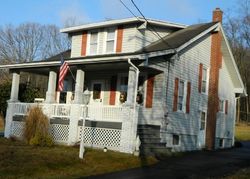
column 93, row 44
column 222, row 105
column 181, row 95
column 203, row 120
column 204, row 80
column 176, row 140
column 110, row 40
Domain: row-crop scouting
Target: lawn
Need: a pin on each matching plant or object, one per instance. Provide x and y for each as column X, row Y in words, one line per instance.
column 18, row 160
column 242, row 132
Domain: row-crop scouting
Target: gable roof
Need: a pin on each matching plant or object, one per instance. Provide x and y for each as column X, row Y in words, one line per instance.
column 178, row 38
column 121, row 22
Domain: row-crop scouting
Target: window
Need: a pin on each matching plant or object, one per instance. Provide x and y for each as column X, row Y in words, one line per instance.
column 181, row 96
column 176, row 139
column 221, row 105
column 221, row 143
column 123, row 88
column 93, row 43
column 203, row 121
column 204, row 80
column 110, row 41
column 97, row 91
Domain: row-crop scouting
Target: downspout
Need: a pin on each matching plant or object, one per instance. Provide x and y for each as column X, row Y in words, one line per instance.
column 136, row 80
column 136, row 140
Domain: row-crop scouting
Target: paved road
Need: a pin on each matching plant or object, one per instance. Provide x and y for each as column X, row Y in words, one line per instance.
column 204, row 164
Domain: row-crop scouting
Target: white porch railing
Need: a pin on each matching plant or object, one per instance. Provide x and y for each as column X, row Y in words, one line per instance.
column 61, row 110
column 104, row 113
column 23, row 108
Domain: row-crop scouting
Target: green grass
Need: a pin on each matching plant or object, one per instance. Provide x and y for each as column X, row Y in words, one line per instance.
column 242, row 132
column 18, row 160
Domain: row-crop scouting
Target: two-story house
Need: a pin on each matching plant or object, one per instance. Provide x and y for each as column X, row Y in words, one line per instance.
column 142, row 82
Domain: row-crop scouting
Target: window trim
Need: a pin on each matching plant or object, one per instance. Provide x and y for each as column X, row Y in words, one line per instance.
column 88, row 42
column 179, row 141
column 184, row 100
column 207, row 80
column 106, row 38
column 224, row 105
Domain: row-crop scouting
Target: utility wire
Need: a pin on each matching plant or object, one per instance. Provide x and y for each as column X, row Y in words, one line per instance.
column 163, row 40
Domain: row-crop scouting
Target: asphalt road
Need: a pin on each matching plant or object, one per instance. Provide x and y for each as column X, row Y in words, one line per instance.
column 203, row 164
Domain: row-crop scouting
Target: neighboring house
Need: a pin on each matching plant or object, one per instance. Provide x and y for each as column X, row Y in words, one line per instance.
column 176, row 93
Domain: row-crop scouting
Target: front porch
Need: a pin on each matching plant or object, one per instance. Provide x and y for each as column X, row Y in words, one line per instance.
column 113, row 127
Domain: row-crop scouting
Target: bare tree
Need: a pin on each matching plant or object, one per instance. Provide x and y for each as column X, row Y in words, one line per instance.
column 238, row 32
column 30, row 41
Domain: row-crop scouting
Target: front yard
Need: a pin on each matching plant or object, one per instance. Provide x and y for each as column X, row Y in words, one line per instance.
column 18, row 160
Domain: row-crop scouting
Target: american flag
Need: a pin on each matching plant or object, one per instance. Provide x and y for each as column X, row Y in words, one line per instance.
column 63, row 71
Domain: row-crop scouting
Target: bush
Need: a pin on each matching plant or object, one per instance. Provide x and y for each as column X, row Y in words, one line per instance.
column 36, row 130
column 1, row 122
column 4, row 95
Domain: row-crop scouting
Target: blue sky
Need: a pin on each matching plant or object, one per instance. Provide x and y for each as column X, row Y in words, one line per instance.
column 83, row 11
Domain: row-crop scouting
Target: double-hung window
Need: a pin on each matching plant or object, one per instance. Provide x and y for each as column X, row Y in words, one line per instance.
column 110, row 40
column 93, row 44
column 181, row 97
column 204, row 80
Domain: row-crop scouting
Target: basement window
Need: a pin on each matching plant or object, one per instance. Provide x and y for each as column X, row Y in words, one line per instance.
column 221, row 143
column 176, row 140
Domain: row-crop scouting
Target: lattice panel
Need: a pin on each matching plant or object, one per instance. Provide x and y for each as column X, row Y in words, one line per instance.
column 102, row 137
column 17, row 128
column 59, row 132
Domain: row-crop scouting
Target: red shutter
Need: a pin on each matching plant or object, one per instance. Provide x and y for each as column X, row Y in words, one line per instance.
column 112, row 90
column 226, row 107
column 188, row 97
column 150, row 88
column 84, row 43
column 119, row 39
column 200, row 77
column 176, row 86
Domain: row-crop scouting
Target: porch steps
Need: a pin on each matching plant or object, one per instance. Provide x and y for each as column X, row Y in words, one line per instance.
column 151, row 142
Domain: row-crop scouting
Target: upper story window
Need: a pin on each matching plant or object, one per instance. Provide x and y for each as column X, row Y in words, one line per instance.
column 93, row 44
column 110, row 41
column 204, row 80
column 181, row 100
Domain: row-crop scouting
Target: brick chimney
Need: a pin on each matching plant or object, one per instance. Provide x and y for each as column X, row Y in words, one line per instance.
column 213, row 95
column 217, row 15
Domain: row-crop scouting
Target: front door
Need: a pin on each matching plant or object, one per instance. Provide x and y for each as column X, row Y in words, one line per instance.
column 202, row 130
column 97, row 94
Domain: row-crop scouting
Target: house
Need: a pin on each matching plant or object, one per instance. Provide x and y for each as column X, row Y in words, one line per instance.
column 142, row 82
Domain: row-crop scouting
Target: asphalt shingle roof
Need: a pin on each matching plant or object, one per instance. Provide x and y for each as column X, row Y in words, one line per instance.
column 178, row 38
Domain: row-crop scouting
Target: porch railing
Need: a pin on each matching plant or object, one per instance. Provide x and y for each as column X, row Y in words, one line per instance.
column 98, row 113
column 104, row 113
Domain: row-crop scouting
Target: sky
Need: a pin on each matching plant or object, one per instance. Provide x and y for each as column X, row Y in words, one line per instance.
column 85, row 11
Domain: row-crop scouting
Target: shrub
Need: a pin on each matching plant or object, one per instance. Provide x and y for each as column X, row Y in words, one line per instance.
column 1, row 122
column 36, row 130
column 4, row 95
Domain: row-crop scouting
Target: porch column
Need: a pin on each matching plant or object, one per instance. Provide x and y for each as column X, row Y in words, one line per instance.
column 79, row 86
column 14, row 87
column 51, row 91
column 131, row 86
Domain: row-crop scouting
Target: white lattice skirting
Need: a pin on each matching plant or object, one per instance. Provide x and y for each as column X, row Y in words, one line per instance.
column 58, row 132
column 101, row 137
